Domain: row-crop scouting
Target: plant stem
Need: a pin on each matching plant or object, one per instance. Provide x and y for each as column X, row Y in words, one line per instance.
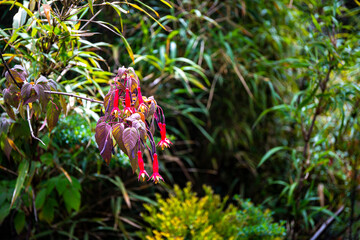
column 74, row 95
column 7, row 68
column 29, row 121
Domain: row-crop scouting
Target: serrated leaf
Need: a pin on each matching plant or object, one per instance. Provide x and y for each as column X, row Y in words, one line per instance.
column 117, row 131
column 52, row 114
column 130, row 138
column 104, row 140
column 22, row 172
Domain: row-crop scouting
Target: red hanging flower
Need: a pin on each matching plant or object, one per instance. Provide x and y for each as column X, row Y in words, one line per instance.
column 142, row 172
column 156, row 176
column 142, row 106
column 164, row 142
column 128, row 110
column 115, row 111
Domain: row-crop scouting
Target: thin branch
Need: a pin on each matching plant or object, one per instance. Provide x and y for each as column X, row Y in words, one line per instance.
column 64, row 72
column 29, row 121
column 74, row 95
column 92, row 18
column 7, row 68
column 327, row 224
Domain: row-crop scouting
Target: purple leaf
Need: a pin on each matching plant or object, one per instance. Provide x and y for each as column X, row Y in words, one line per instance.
column 109, row 101
column 43, row 98
column 152, row 109
column 11, row 97
column 104, row 140
column 134, row 117
column 117, row 131
column 18, row 72
column 130, row 138
column 140, row 126
column 26, row 90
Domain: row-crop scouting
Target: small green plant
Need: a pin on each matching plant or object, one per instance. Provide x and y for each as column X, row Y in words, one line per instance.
column 185, row 216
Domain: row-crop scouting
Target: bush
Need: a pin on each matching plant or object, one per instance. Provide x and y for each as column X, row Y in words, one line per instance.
column 185, row 216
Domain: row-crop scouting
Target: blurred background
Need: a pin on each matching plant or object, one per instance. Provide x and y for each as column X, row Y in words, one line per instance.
column 260, row 99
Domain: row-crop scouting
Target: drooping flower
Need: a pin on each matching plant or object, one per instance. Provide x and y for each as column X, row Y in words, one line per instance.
column 115, row 111
column 164, row 142
column 128, row 110
column 142, row 106
column 156, row 176
column 142, row 172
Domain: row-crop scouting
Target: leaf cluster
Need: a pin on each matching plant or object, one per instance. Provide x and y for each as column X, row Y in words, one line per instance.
column 185, row 216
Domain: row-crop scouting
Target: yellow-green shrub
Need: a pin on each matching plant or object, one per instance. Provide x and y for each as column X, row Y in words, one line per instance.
column 185, row 216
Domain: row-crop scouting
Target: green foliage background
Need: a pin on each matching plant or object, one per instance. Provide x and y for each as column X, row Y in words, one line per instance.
column 260, row 98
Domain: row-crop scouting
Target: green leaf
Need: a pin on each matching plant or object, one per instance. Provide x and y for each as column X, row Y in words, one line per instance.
column 47, row 213
column 4, row 211
column 19, row 222
column 72, row 199
column 40, row 199
column 271, row 152
column 22, row 173
column 275, row 108
column 91, row 6
column 316, row 23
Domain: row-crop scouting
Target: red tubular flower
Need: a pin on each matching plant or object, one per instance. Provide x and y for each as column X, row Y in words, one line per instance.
column 142, row 106
column 164, row 142
column 128, row 109
column 142, row 172
column 156, row 176
column 116, row 109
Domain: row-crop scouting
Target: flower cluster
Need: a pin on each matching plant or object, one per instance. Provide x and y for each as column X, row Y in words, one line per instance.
column 131, row 119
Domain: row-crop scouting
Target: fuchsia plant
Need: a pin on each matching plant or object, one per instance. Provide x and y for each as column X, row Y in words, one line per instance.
column 130, row 119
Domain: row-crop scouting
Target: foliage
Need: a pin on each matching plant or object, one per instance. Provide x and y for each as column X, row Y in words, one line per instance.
column 53, row 60
column 185, row 216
